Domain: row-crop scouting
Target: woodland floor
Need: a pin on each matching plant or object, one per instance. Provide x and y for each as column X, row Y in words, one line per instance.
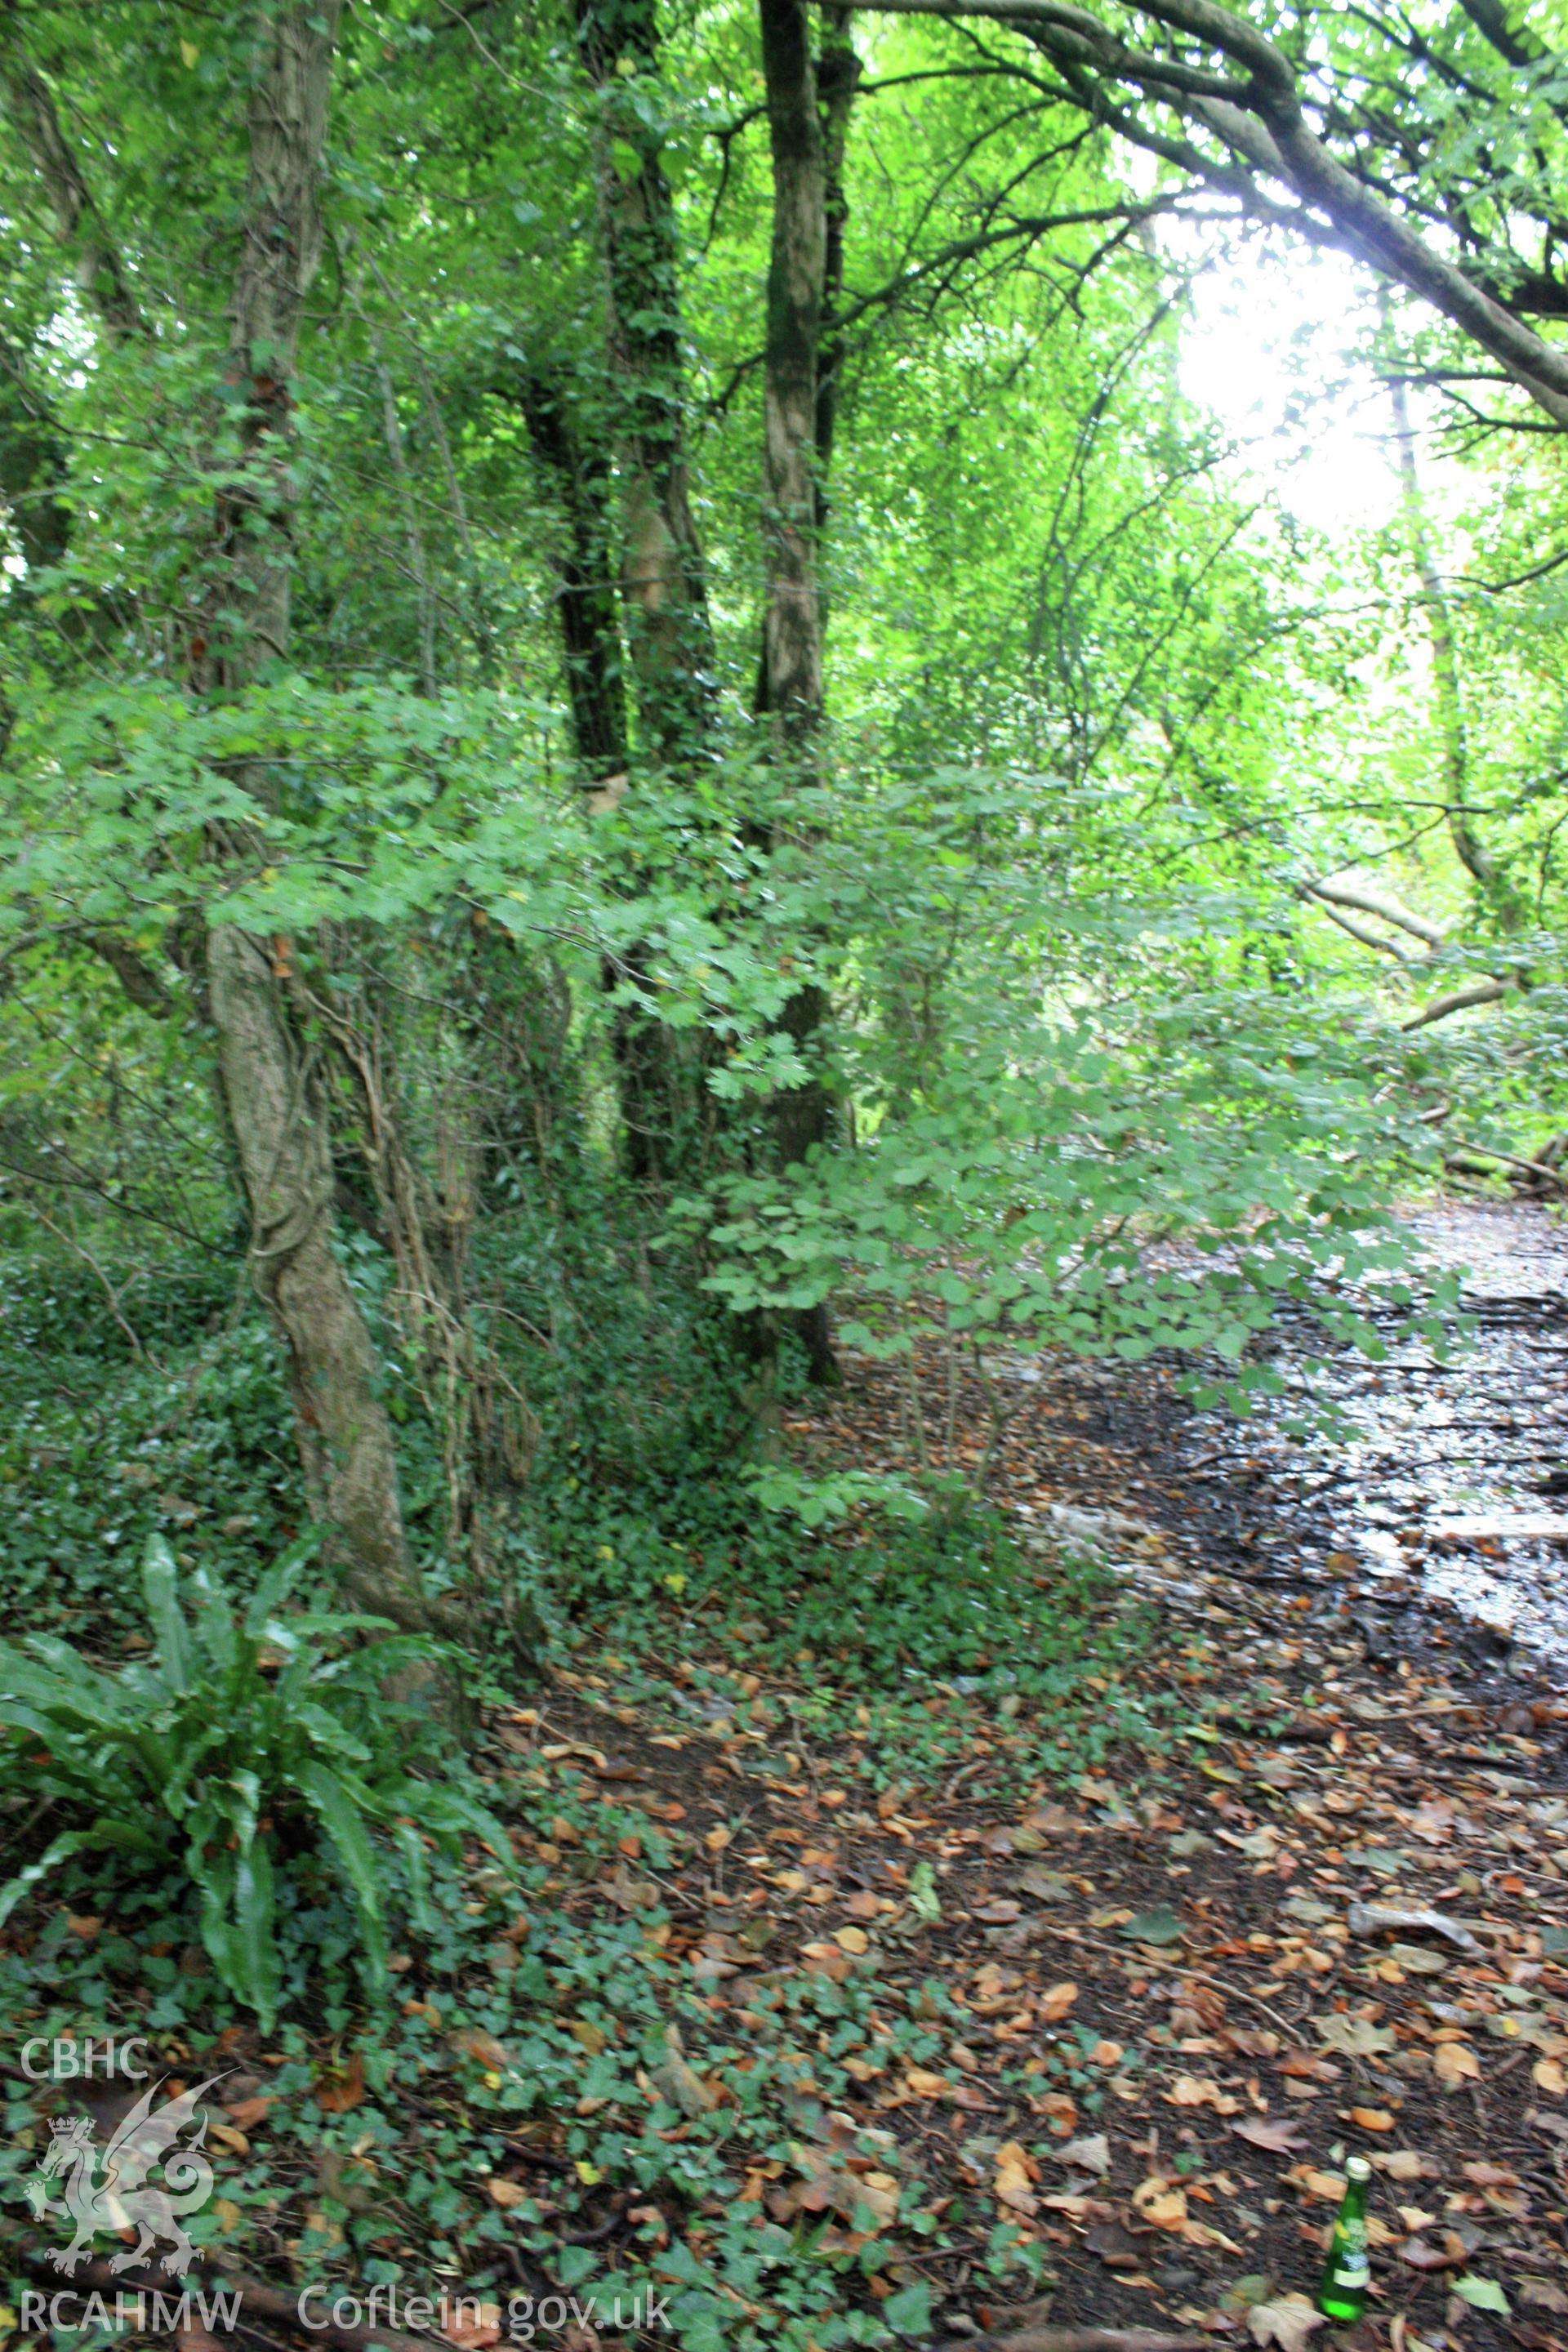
column 1123, row 2025
column 1231, row 2024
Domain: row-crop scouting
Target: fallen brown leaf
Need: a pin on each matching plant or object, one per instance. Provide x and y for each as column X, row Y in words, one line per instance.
column 1281, row 2135
column 338, row 2091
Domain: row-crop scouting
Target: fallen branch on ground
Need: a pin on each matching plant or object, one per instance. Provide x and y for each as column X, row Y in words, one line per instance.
column 1077, row 2339
column 1200, row 1976
column 1469, row 1154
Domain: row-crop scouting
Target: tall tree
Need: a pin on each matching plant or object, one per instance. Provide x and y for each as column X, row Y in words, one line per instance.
column 271, row 1086
column 269, row 1073
column 670, row 631
column 797, row 437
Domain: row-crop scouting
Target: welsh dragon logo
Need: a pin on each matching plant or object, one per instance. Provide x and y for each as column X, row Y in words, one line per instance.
column 109, row 2189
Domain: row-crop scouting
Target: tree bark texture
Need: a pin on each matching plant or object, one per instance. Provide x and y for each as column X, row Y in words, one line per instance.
column 797, row 266
column 579, row 473
column 793, row 419
column 669, row 632
column 837, row 78
column 274, row 1102
column 271, row 1098
column 657, row 1095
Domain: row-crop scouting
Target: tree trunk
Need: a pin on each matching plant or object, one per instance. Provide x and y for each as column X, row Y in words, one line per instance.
column 1492, row 886
column 665, row 1106
column 275, row 1104
column 837, row 78
column 585, row 572
column 669, row 632
column 792, row 630
column 657, row 1097
column 793, row 418
column 345, row 1441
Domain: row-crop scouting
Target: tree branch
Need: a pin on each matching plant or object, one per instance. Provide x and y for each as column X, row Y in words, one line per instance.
column 1373, row 902
column 30, row 104
column 1362, row 931
column 143, row 986
column 1262, row 121
column 1458, row 1000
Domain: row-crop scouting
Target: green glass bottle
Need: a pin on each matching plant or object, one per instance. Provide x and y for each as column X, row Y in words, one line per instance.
column 1347, row 2274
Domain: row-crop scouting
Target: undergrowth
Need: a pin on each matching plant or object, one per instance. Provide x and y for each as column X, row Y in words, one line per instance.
column 859, row 1663
column 634, row 1539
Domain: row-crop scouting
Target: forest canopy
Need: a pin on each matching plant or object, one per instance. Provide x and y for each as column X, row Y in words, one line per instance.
column 624, row 648
column 660, row 765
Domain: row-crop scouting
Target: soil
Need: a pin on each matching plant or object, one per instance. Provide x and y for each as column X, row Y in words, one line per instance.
column 1199, row 1975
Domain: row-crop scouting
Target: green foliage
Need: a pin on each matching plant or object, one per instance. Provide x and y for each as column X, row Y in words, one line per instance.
column 1048, row 1179
column 255, row 1733
column 836, row 1495
column 173, row 1420
column 949, row 1595
column 500, row 2057
column 1101, row 1080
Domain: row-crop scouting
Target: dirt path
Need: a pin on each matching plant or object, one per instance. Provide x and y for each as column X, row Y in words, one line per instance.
column 1338, row 1922
column 1455, row 1490
column 1156, row 2014
column 1441, row 1525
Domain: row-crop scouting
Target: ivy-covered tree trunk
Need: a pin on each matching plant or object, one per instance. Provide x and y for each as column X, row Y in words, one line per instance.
column 658, row 1095
column 670, row 633
column 665, row 1107
column 270, row 1089
column 267, row 1080
column 579, row 471
column 792, row 628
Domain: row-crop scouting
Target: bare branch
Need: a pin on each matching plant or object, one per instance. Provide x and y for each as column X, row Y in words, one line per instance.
column 1458, row 1000
column 1262, row 121
column 1373, row 902
column 1358, row 930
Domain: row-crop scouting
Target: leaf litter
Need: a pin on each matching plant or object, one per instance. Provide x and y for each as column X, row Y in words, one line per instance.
column 814, row 2042
column 1163, row 2001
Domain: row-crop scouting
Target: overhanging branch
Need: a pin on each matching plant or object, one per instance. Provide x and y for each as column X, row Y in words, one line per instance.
column 1261, row 122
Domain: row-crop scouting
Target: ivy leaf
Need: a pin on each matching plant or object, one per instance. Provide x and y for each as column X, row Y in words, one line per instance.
column 908, row 2311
